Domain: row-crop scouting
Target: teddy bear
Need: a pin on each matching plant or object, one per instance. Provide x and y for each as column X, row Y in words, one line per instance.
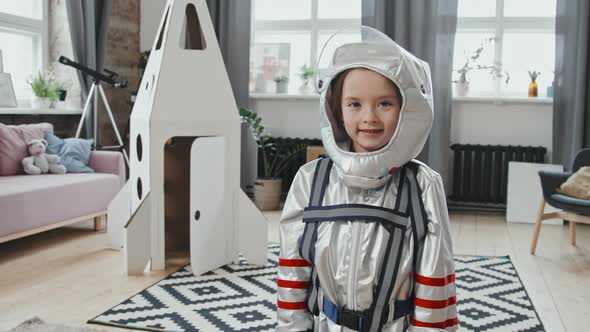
column 40, row 162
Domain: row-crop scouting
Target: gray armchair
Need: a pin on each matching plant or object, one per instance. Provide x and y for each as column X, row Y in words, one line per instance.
column 572, row 209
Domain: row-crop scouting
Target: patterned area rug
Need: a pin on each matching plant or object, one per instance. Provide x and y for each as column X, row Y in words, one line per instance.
column 241, row 297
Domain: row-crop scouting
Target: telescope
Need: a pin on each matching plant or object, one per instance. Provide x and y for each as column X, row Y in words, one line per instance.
column 110, row 79
column 95, row 90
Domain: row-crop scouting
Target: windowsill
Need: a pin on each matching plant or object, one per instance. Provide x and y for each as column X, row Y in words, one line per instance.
column 466, row 99
column 503, row 100
column 284, row 96
column 38, row 111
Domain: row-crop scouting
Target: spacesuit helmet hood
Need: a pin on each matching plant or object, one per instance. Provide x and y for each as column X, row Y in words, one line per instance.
column 371, row 49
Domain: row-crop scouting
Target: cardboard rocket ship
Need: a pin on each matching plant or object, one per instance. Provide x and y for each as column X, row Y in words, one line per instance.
column 184, row 186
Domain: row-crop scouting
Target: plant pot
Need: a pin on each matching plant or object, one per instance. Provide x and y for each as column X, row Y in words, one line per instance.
column 533, row 89
column 462, row 88
column 282, row 87
column 550, row 91
column 267, row 193
column 61, row 94
column 37, row 102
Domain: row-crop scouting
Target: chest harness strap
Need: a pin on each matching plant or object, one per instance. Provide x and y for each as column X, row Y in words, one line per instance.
column 395, row 221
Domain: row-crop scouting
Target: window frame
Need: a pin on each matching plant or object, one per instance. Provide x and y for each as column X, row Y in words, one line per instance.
column 314, row 25
column 20, row 25
column 498, row 25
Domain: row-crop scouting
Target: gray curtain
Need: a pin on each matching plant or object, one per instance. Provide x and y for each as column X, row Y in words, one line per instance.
column 571, row 101
column 231, row 20
column 89, row 22
column 427, row 29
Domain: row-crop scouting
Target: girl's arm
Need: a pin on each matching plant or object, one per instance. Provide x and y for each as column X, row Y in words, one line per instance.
column 293, row 271
column 435, row 300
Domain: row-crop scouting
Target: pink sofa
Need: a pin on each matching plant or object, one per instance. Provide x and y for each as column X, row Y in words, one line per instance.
column 31, row 204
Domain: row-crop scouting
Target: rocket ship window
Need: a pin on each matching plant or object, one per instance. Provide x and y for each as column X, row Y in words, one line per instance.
column 139, row 147
column 192, row 37
column 139, row 188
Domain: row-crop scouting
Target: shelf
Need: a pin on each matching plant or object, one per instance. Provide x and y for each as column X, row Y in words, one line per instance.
column 284, row 96
column 38, row 111
column 504, row 100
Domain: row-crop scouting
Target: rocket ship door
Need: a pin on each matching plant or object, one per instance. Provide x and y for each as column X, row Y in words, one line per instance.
column 211, row 223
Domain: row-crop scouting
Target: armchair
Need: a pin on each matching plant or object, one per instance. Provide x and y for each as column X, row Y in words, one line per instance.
column 572, row 209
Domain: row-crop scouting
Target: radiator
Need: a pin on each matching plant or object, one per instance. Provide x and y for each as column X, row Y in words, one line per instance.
column 480, row 172
column 294, row 163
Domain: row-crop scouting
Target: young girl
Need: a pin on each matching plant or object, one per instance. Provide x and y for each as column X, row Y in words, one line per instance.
column 365, row 238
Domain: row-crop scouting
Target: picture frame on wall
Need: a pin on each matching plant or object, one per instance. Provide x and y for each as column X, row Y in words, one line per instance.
column 267, row 61
column 7, row 96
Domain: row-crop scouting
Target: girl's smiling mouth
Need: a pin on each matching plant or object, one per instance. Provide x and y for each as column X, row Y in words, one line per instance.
column 370, row 131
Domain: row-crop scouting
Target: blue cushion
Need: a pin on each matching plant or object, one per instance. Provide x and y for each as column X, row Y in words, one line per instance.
column 74, row 152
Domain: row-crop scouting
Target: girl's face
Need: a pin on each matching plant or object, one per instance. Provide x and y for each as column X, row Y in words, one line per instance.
column 370, row 109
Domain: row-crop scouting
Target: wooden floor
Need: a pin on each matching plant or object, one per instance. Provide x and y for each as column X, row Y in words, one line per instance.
column 70, row 275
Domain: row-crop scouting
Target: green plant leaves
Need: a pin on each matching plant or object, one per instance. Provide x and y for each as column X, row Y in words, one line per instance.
column 43, row 87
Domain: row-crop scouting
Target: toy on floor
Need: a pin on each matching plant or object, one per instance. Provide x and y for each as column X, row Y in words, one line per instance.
column 40, row 162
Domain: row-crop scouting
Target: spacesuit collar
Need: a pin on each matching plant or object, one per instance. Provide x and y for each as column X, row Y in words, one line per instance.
column 362, row 182
column 358, row 180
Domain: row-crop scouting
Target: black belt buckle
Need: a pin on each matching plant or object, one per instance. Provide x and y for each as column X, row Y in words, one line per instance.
column 350, row 318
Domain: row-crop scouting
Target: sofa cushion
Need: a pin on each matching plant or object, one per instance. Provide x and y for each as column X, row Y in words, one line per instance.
column 13, row 145
column 74, row 152
column 29, row 202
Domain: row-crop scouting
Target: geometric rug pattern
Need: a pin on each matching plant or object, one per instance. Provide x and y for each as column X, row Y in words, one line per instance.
column 491, row 297
column 241, row 297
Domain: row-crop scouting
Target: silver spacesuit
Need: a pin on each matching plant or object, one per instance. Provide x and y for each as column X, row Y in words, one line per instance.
column 365, row 237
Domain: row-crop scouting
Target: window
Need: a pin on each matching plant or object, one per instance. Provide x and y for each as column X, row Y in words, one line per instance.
column 287, row 34
column 23, row 40
column 517, row 36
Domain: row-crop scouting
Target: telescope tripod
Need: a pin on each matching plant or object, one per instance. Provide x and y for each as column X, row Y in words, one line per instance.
column 95, row 89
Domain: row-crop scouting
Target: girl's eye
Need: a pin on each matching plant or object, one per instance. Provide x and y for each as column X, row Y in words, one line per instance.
column 385, row 104
column 354, row 104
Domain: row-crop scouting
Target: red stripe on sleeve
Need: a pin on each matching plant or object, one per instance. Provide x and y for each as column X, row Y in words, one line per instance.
column 439, row 325
column 291, row 305
column 293, row 262
column 435, row 281
column 435, row 304
column 292, row 284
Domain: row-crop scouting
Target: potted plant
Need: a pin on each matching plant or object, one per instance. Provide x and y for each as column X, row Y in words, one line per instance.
column 44, row 90
column 267, row 187
column 282, row 82
column 533, row 89
column 306, row 74
column 462, row 84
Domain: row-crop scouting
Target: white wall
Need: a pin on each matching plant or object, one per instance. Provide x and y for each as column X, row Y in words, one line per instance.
column 507, row 123
column 289, row 117
column 515, row 122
